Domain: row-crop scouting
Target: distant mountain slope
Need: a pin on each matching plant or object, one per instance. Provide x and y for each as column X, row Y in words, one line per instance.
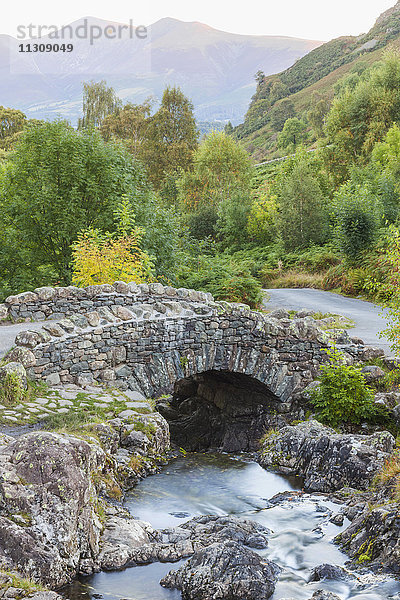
column 214, row 68
column 317, row 72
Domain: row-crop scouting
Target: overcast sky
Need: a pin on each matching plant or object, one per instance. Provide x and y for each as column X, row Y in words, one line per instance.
column 311, row 19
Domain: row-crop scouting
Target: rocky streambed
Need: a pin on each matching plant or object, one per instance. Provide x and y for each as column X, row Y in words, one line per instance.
column 207, row 525
column 106, row 510
column 274, row 543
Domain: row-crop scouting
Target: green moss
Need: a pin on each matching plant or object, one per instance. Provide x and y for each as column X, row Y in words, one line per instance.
column 22, row 519
column 184, row 361
column 365, row 552
column 148, row 429
column 23, row 583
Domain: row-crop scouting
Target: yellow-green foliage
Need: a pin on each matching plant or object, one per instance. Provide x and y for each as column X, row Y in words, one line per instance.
column 11, row 579
column 262, row 218
column 11, row 390
column 100, row 258
column 391, row 473
column 390, row 288
column 136, row 463
column 273, row 278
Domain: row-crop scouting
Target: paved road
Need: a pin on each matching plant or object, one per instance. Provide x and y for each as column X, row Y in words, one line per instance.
column 368, row 317
column 8, row 333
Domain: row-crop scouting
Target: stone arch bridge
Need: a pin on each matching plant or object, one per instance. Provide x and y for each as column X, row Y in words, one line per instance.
column 159, row 340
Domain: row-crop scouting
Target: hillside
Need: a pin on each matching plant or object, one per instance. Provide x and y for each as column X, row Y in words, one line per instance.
column 293, row 91
column 214, row 68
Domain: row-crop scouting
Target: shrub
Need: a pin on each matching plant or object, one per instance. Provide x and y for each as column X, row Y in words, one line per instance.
column 224, row 277
column 358, row 215
column 390, row 474
column 315, row 259
column 11, row 389
column 351, row 281
column 99, row 257
column 343, row 395
column 202, row 223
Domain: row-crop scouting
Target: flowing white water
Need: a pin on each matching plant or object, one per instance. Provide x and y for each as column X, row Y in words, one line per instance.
column 219, row 484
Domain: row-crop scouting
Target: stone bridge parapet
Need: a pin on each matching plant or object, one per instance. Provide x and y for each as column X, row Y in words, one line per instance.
column 147, row 340
column 53, row 303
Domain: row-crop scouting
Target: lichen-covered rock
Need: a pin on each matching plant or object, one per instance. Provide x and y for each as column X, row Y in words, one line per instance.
column 54, row 329
column 226, row 571
column 122, row 313
column 122, row 287
column 30, row 339
column 156, row 288
column 171, row 545
column 319, row 595
column 121, row 538
column 389, row 399
column 206, row 530
column 279, row 313
column 79, row 320
column 93, row 318
column 370, row 353
column 66, row 324
column 374, row 537
column 304, row 312
column 327, row 460
column 306, row 328
column 154, row 432
column 3, row 312
column 323, row 595
column 45, row 596
column 372, row 373
column 327, row 571
column 21, row 298
column 106, row 314
column 45, row 293
column 97, row 290
column 5, row 439
column 22, row 355
column 48, row 523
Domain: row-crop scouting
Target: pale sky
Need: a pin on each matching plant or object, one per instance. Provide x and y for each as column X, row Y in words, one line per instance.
column 310, row 19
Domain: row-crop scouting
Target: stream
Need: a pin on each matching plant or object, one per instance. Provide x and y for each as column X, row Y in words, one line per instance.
column 219, row 484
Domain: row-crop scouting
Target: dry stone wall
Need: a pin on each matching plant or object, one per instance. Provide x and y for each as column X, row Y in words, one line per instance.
column 146, row 339
column 55, row 303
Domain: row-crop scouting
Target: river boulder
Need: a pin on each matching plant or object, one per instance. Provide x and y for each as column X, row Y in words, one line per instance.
column 327, row 460
column 373, row 537
column 127, row 542
column 48, row 521
column 226, row 571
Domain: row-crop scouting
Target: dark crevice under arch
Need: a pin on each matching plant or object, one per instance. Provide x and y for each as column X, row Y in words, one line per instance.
column 225, row 410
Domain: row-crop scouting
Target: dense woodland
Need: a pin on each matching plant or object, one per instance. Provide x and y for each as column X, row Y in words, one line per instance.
column 133, row 193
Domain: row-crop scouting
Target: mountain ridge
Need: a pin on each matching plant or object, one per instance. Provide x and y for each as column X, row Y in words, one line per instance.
column 214, row 68
column 317, row 72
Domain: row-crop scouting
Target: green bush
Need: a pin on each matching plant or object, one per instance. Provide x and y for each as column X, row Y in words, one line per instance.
column 225, row 277
column 350, row 280
column 343, row 395
column 315, row 259
column 358, row 214
column 11, row 389
column 202, row 223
